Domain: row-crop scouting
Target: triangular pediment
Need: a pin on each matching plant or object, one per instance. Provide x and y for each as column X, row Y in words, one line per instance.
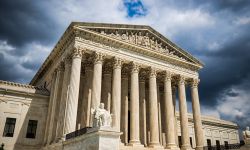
column 142, row 36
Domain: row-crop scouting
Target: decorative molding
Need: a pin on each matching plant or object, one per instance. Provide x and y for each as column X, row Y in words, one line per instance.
column 175, row 65
column 194, row 83
column 135, row 67
column 181, row 80
column 117, row 62
column 76, row 32
column 77, row 52
column 98, row 57
column 152, row 72
column 168, row 76
column 144, row 39
column 17, row 84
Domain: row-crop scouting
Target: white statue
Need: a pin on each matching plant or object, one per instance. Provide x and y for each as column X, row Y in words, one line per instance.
column 101, row 117
column 246, row 136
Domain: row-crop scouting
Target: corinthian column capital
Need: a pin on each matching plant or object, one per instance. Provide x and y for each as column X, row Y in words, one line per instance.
column 194, row 83
column 168, row 76
column 77, row 52
column 117, row 63
column 152, row 72
column 98, row 57
column 135, row 67
column 181, row 80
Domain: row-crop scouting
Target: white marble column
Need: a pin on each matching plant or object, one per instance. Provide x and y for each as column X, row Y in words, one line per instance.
column 72, row 102
column 55, row 102
column 116, row 94
column 142, row 96
column 52, row 87
column 134, row 107
column 153, row 110
column 97, row 80
column 183, row 115
column 169, row 112
column 197, row 115
column 61, row 131
column 124, row 108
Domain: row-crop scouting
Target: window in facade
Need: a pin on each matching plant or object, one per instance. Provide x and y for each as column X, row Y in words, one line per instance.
column 9, row 127
column 209, row 144
column 31, row 130
column 226, row 144
column 217, row 144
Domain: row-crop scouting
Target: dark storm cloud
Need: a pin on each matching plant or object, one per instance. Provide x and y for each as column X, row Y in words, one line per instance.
column 225, row 68
column 233, row 5
column 25, row 21
column 11, row 72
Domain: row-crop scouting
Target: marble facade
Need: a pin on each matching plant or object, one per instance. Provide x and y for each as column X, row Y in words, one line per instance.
column 137, row 73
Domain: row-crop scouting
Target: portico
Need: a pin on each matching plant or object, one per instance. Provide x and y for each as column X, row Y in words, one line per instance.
column 133, row 71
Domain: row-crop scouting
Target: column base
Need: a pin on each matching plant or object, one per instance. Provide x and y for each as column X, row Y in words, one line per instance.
column 155, row 145
column 172, row 147
column 199, row 148
column 135, row 143
column 186, row 147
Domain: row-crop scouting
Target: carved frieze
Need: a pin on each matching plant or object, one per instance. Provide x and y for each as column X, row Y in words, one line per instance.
column 144, row 39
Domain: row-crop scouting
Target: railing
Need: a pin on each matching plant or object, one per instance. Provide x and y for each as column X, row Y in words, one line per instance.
column 77, row 133
column 223, row 147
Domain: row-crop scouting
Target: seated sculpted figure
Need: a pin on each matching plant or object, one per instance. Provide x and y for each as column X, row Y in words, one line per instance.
column 246, row 136
column 101, row 117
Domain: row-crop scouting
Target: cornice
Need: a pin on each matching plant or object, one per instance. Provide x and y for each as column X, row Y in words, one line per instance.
column 16, row 84
column 24, row 89
column 91, row 37
column 207, row 120
column 136, row 28
column 72, row 34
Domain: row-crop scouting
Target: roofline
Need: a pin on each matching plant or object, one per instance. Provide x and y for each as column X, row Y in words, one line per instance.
column 92, row 24
column 138, row 26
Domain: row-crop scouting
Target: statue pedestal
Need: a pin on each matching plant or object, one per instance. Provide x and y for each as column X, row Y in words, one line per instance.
column 100, row 138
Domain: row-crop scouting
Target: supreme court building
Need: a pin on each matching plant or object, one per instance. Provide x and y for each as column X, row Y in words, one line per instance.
column 135, row 71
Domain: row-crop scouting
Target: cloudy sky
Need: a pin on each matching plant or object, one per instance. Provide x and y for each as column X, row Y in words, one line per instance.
column 216, row 31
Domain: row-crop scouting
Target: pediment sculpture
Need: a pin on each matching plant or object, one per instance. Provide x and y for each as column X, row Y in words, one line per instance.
column 143, row 39
column 101, row 117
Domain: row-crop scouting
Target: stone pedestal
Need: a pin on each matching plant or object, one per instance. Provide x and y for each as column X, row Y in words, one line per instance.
column 97, row 139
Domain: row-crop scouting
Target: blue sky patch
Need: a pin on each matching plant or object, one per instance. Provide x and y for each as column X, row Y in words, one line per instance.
column 135, row 8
